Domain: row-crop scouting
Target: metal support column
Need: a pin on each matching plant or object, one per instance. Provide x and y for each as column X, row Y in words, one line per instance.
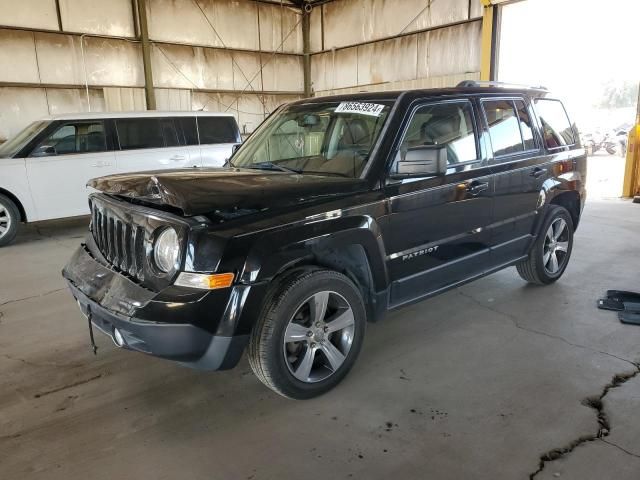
column 489, row 41
column 59, row 15
column 306, row 49
column 150, row 93
column 631, row 185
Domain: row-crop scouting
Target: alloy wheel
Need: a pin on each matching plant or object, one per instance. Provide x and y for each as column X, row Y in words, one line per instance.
column 5, row 221
column 319, row 336
column 556, row 246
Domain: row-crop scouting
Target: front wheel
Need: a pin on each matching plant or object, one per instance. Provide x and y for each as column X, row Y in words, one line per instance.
column 551, row 251
column 309, row 333
column 9, row 219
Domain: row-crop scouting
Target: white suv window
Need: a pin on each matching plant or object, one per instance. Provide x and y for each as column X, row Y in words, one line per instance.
column 75, row 137
column 138, row 133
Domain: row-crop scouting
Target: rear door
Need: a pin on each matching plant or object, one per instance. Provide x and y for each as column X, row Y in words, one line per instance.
column 520, row 167
column 59, row 168
column 150, row 144
column 218, row 135
column 435, row 233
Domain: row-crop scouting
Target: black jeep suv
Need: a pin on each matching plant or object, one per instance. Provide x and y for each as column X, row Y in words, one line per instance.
column 335, row 211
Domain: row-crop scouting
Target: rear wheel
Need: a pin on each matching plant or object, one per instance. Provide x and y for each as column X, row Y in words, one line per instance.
column 309, row 334
column 550, row 253
column 9, row 219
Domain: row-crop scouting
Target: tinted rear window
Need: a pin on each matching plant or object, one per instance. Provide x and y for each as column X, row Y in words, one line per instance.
column 170, row 133
column 136, row 133
column 217, row 130
column 187, row 129
column 526, row 125
column 504, row 127
column 556, row 127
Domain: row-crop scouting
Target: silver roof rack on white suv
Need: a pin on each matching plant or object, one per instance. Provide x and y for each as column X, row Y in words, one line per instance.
column 492, row 83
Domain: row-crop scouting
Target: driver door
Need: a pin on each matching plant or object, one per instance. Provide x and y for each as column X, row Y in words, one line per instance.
column 62, row 164
column 435, row 233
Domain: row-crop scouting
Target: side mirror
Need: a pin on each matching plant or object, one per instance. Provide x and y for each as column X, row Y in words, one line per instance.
column 44, row 151
column 234, row 149
column 421, row 161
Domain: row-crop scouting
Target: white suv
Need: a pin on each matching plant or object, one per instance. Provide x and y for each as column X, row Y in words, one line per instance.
column 45, row 168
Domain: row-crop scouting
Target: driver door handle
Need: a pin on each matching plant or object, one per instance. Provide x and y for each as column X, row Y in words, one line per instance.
column 177, row 158
column 475, row 187
column 101, row 164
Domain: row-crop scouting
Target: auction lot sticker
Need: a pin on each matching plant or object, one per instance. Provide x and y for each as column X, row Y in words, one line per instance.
column 372, row 109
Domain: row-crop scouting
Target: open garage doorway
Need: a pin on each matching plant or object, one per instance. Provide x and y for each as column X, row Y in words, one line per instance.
column 586, row 59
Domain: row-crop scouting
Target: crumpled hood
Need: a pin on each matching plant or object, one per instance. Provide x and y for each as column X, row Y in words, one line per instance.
column 204, row 190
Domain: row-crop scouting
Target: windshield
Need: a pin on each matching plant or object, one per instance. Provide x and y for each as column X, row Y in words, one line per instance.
column 331, row 138
column 15, row 144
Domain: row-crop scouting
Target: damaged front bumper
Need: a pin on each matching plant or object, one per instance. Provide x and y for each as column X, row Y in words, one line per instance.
column 197, row 329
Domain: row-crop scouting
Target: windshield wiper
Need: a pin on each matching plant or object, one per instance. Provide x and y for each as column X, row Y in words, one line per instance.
column 326, row 173
column 273, row 166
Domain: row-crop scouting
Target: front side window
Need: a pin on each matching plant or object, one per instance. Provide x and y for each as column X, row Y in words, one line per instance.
column 327, row 138
column 449, row 124
column 137, row 133
column 556, row 127
column 217, row 130
column 76, row 137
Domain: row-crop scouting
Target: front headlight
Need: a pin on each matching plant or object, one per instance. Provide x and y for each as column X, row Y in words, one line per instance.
column 166, row 250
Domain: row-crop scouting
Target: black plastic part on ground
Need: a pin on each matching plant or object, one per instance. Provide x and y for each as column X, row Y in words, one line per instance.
column 620, row 300
column 630, row 318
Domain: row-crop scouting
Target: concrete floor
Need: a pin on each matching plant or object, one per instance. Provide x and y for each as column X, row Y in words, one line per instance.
column 477, row 383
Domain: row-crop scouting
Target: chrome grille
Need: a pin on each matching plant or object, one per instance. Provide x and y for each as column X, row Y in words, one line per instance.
column 120, row 242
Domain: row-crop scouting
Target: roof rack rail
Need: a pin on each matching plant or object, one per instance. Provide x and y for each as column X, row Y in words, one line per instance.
column 491, row 83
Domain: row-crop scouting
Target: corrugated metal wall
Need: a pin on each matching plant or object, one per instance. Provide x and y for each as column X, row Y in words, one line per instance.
column 209, row 53
column 204, row 54
column 394, row 44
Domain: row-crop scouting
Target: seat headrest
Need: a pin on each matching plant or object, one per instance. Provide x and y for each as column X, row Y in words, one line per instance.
column 356, row 132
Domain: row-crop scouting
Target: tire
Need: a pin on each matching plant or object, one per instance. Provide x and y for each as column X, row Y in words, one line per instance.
column 539, row 268
column 9, row 219
column 291, row 334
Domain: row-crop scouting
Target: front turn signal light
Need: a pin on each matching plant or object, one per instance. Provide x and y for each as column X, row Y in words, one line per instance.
column 205, row 281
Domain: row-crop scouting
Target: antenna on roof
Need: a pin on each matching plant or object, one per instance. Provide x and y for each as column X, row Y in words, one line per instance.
column 492, row 83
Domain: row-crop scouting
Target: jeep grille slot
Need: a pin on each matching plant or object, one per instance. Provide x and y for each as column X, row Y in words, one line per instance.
column 121, row 243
